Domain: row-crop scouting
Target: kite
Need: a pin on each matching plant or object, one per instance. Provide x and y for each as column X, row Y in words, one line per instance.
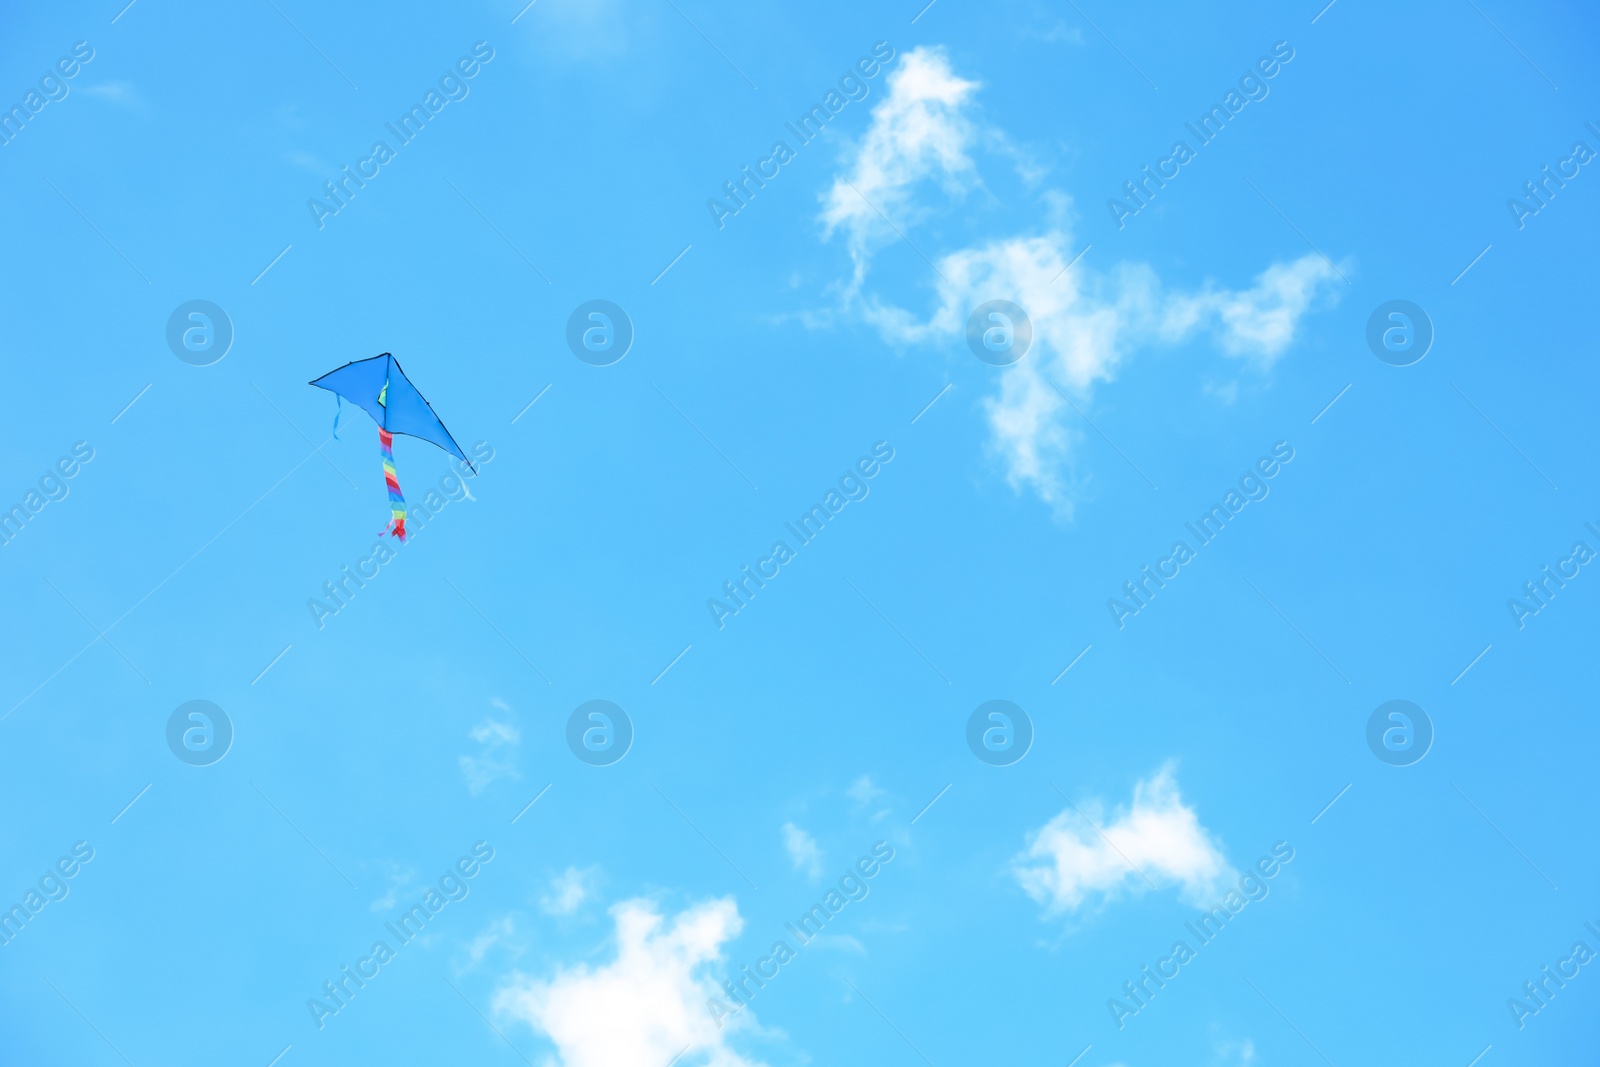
column 380, row 388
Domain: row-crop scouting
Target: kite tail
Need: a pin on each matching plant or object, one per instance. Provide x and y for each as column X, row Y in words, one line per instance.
column 397, row 501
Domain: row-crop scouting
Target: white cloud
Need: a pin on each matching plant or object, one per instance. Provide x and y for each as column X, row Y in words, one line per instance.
column 401, row 881
column 568, row 891
column 840, row 943
column 863, row 792
column 1234, row 1053
column 597, row 32
column 1068, row 859
column 1258, row 322
column 866, row 794
column 1061, row 32
column 648, row 1005
column 498, row 740
column 117, row 92
column 500, row 931
column 1226, row 1054
column 1079, row 335
column 308, row 162
column 803, row 850
column 918, row 132
column 1085, row 325
column 1086, row 322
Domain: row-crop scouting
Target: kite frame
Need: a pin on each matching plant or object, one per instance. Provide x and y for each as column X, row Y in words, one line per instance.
column 390, row 357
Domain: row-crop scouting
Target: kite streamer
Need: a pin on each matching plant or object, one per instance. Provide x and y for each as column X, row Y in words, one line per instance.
column 397, row 501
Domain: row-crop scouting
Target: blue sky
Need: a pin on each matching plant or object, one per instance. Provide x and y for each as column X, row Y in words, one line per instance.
column 173, row 525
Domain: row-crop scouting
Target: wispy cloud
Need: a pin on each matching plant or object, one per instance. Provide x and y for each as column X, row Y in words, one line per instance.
column 121, row 93
column 863, row 791
column 918, row 132
column 1234, row 1053
column 1157, row 840
column 1086, row 323
column 568, row 890
column 310, row 163
column 401, row 881
column 498, row 740
column 501, row 931
column 803, row 851
column 1061, row 32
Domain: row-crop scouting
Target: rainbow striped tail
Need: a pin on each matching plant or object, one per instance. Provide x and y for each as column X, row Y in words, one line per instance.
column 397, row 501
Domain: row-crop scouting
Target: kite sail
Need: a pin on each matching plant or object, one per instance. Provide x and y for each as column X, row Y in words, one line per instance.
column 380, row 388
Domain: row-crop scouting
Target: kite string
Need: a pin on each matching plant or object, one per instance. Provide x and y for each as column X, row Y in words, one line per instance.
column 397, row 501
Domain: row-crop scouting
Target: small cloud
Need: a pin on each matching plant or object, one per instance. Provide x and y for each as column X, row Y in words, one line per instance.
column 863, row 792
column 840, row 943
column 1061, row 32
column 568, row 891
column 498, row 740
column 597, row 32
column 401, row 881
column 288, row 117
column 803, row 850
column 498, row 932
column 1259, row 322
column 120, row 93
column 492, row 733
column 308, row 162
column 1234, row 1053
column 1082, row 851
column 647, row 1006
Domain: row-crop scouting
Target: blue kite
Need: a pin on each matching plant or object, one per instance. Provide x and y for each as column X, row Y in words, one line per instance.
column 380, row 388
